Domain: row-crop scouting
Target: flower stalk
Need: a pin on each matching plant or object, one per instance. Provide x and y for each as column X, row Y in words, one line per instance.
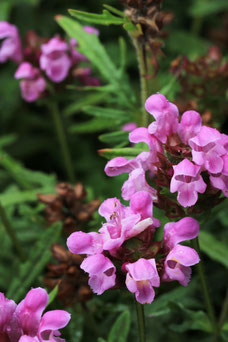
column 141, row 321
column 54, row 111
column 10, row 231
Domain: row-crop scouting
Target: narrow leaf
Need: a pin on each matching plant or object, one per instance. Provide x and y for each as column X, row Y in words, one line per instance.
column 120, row 328
column 106, row 18
column 110, row 153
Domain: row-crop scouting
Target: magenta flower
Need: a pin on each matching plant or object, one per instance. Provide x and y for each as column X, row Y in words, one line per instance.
column 24, row 322
column 54, row 59
column 76, row 56
column 165, row 114
column 122, row 222
column 101, row 272
column 137, row 182
column 179, row 259
column 220, row 181
column 207, row 149
column 119, row 165
column 91, row 30
column 187, row 182
column 33, row 84
column 142, row 276
column 189, row 126
column 10, row 47
column 85, row 243
column 129, row 127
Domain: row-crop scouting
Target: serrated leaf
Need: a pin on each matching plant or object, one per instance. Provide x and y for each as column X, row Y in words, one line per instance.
column 201, row 8
column 110, row 153
column 106, row 18
column 216, row 250
column 114, row 137
column 120, row 328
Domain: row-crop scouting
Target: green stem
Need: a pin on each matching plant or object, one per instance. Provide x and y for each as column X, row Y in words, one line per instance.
column 9, row 230
column 54, row 110
column 205, row 291
column 141, row 321
column 142, row 64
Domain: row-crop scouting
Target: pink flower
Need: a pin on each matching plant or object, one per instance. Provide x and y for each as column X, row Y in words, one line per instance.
column 84, row 75
column 137, row 182
column 122, row 222
column 220, row 181
column 33, row 84
column 142, row 276
column 207, row 149
column 91, row 30
column 85, row 243
column 54, row 59
column 24, row 322
column 165, row 114
column 188, row 182
column 101, row 272
column 180, row 258
column 10, row 47
column 119, row 165
column 129, row 127
column 189, row 126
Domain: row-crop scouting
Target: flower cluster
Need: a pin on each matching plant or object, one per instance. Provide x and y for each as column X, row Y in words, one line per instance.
column 186, row 157
column 124, row 249
column 25, row 323
column 43, row 60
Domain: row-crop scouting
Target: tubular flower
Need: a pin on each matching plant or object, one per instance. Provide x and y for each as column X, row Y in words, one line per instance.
column 33, row 84
column 189, row 126
column 54, row 59
column 165, row 114
column 142, row 276
column 179, row 259
column 188, row 182
column 24, row 322
column 10, row 47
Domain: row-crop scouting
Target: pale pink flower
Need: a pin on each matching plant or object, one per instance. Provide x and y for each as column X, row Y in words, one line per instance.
column 189, row 126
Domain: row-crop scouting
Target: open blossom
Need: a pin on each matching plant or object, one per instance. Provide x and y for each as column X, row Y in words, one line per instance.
column 187, row 182
column 179, row 259
column 220, row 181
column 102, row 272
column 165, row 114
column 142, row 276
column 54, row 59
column 25, row 323
column 32, row 84
column 10, row 47
column 189, row 126
column 207, row 149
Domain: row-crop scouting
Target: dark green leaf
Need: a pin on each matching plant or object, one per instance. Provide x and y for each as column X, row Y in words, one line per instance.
column 114, row 137
column 216, row 250
column 110, row 153
column 53, row 294
column 120, row 328
column 94, row 125
column 106, row 18
column 85, row 100
column 107, row 113
column 210, row 7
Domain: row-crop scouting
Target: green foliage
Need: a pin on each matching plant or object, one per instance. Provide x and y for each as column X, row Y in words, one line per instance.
column 52, row 295
column 201, row 8
column 37, row 259
column 120, row 328
column 106, row 18
column 115, row 138
column 216, row 250
column 123, row 152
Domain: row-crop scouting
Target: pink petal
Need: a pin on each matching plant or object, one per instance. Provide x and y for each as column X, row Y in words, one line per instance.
column 85, row 243
column 189, row 126
column 120, row 165
column 52, row 321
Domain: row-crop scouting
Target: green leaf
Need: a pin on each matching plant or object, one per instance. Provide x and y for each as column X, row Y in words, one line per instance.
column 106, row 18
column 216, row 250
column 203, row 8
column 191, row 320
column 7, row 139
column 114, row 137
column 107, row 113
column 52, row 295
column 37, row 259
column 114, row 10
column 120, row 328
column 110, row 153
column 100, row 339
column 91, row 47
